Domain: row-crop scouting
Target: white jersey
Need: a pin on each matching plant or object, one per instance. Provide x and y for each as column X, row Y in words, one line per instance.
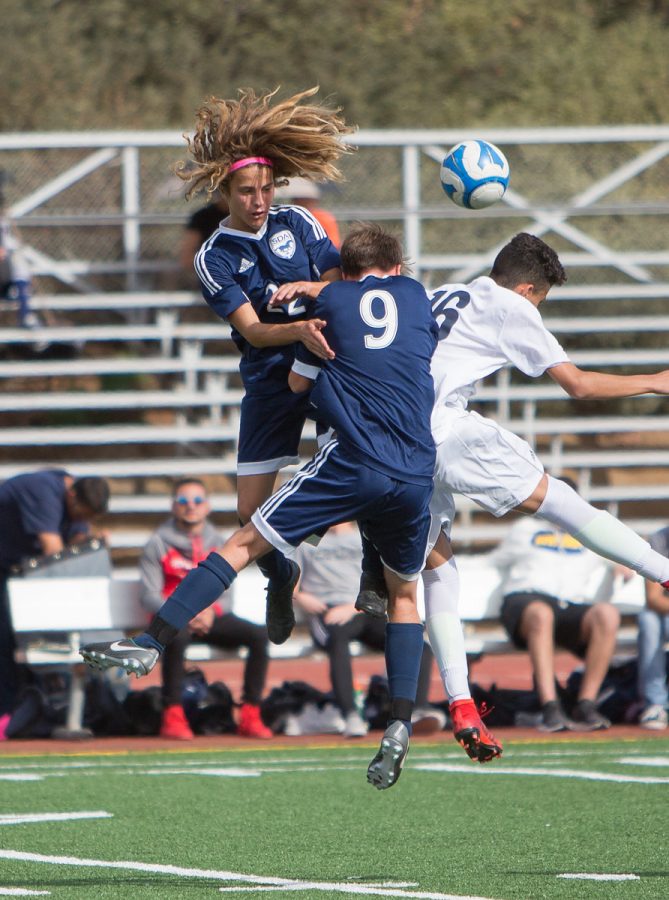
column 483, row 327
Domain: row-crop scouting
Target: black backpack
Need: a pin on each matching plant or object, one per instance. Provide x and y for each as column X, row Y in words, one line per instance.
column 41, row 704
column 208, row 707
column 104, row 713
column 144, row 710
column 618, row 697
column 290, row 698
column 377, row 702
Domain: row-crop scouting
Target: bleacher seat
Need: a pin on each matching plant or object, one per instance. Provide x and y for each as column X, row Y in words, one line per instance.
column 178, row 407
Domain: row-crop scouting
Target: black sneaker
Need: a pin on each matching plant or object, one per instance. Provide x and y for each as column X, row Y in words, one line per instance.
column 123, row 654
column 373, row 595
column 386, row 767
column 586, row 717
column 553, row 717
column 279, row 612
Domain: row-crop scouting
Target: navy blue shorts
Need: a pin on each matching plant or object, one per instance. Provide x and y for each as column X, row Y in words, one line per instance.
column 269, row 431
column 334, row 488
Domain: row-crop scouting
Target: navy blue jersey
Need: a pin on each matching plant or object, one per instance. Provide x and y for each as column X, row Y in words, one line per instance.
column 377, row 393
column 236, row 267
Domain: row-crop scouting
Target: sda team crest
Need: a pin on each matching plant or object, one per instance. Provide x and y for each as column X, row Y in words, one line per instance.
column 283, row 244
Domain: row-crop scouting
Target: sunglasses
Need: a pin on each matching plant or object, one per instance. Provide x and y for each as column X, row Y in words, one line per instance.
column 184, row 501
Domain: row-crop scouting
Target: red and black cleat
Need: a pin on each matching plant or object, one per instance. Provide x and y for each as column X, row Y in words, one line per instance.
column 470, row 732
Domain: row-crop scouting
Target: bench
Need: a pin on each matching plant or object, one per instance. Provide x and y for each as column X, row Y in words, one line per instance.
column 52, row 617
column 213, row 396
column 116, row 300
column 189, row 361
column 481, row 601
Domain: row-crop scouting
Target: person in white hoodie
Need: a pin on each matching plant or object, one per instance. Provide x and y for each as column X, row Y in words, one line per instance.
column 555, row 595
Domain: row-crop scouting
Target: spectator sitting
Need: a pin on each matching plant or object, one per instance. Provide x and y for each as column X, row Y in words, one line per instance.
column 306, row 193
column 201, row 225
column 15, row 277
column 40, row 513
column 653, row 630
column 545, row 578
column 326, row 592
column 172, row 551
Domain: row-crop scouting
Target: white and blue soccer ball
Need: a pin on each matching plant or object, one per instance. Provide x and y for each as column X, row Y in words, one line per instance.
column 475, row 174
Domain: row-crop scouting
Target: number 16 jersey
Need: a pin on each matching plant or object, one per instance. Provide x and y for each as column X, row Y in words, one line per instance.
column 483, row 327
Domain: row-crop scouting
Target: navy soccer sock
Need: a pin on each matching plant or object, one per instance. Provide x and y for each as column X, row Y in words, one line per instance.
column 199, row 589
column 404, row 649
column 274, row 566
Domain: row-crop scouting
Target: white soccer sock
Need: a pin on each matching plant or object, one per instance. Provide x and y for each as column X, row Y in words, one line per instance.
column 444, row 628
column 609, row 537
column 600, row 532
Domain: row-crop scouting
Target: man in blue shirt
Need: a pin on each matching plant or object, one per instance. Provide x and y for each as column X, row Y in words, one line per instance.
column 40, row 512
column 377, row 393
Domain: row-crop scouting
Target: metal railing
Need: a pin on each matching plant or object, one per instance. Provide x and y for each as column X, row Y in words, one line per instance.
column 102, row 209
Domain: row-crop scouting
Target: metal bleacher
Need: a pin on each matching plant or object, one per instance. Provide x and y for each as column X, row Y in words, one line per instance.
column 141, row 404
column 151, row 390
column 151, row 434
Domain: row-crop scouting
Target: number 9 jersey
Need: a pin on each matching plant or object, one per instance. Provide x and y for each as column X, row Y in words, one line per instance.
column 377, row 393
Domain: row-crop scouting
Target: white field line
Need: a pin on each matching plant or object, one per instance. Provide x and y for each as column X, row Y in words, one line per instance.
column 221, row 773
column 200, row 762
column 29, row 818
column 579, row 774
column 215, row 875
column 343, row 888
column 20, row 771
column 439, row 762
column 594, row 876
column 21, row 776
column 22, row 892
column 659, row 761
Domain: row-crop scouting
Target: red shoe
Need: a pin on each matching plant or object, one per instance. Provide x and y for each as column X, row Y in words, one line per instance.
column 470, row 732
column 175, row 724
column 250, row 723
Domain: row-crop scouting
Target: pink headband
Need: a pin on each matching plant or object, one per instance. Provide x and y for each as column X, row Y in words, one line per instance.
column 250, row 161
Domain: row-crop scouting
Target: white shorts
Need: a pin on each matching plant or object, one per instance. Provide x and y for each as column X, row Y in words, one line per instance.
column 479, row 459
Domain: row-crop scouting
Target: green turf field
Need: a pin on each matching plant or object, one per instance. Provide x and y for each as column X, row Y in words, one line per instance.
column 304, row 822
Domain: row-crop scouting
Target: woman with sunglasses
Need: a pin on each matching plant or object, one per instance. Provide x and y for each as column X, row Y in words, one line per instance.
column 244, row 148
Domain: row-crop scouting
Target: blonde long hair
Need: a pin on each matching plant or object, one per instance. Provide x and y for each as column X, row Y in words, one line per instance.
column 299, row 139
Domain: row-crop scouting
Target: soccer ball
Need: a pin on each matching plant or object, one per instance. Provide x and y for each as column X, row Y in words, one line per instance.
column 475, row 174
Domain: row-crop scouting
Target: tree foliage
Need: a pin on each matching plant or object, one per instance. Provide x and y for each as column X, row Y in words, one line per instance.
column 110, row 64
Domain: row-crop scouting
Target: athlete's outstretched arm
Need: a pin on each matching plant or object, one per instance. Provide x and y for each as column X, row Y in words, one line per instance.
column 584, row 385
column 261, row 334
